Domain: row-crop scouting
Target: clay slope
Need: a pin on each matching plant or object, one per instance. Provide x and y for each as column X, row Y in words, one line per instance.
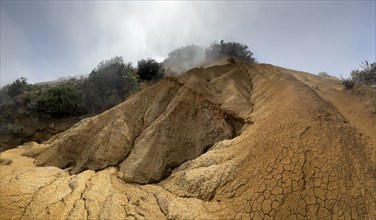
column 233, row 141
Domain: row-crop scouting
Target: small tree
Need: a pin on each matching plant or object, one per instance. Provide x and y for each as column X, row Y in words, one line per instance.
column 348, row 83
column 230, row 49
column 105, row 63
column 184, row 58
column 109, row 84
column 323, row 74
column 149, row 69
column 17, row 87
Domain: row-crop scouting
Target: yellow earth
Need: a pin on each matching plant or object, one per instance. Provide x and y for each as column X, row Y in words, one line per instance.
column 230, row 141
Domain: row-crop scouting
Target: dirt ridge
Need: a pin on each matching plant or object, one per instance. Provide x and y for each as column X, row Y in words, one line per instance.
column 224, row 142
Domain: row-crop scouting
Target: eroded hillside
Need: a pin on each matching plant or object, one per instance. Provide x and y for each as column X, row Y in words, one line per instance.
column 223, row 142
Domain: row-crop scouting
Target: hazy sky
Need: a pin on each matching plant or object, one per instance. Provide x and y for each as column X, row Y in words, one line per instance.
column 45, row 40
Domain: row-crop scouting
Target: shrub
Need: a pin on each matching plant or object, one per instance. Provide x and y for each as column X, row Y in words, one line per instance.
column 230, row 49
column 365, row 76
column 60, row 101
column 348, row 83
column 185, row 58
column 4, row 94
column 109, row 84
column 323, row 74
column 149, row 69
column 17, row 87
column 105, row 63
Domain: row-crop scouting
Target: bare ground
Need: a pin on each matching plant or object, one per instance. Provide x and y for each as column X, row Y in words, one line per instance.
column 223, row 142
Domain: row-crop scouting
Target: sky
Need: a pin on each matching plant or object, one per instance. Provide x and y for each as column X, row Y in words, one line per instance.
column 46, row 40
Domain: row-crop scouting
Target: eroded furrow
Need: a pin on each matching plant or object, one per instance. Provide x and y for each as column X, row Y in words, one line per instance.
column 261, row 142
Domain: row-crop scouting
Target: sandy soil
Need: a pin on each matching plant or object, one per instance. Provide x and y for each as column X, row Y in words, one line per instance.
column 222, row 142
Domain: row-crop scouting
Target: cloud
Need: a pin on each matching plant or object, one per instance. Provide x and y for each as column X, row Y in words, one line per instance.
column 14, row 51
column 47, row 40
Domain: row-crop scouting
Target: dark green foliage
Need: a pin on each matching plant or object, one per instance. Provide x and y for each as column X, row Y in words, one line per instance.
column 231, row 60
column 149, row 69
column 27, row 115
column 109, row 84
column 61, row 101
column 365, row 76
column 348, row 83
column 229, row 49
column 105, row 63
column 4, row 94
column 17, row 87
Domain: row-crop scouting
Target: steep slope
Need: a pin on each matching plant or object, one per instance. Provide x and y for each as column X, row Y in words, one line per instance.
column 224, row 142
column 158, row 129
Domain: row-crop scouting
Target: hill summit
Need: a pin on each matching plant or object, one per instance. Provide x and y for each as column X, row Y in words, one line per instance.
column 230, row 141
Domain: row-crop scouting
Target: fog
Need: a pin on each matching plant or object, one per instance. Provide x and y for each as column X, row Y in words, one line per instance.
column 182, row 59
column 43, row 40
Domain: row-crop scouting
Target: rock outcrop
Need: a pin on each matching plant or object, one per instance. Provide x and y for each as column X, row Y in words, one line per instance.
column 224, row 142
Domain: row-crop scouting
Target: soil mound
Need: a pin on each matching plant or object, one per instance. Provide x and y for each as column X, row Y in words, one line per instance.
column 223, row 142
column 159, row 128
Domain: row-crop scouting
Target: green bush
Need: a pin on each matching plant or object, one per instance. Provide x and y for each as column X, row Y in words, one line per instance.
column 109, row 84
column 61, row 101
column 348, row 83
column 17, row 87
column 149, row 69
column 4, row 94
column 229, row 49
column 366, row 75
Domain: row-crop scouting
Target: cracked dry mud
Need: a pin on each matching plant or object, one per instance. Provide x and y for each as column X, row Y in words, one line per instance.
column 237, row 141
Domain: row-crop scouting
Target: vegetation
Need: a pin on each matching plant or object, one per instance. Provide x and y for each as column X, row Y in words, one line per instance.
column 17, row 87
column 229, row 49
column 365, row 76
column 30, row 112
column 27, row 111
column 184, row 58
column 149, row 69
column 348, row 83
column 109, row 84
column 61, row 101
column 323, row 74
